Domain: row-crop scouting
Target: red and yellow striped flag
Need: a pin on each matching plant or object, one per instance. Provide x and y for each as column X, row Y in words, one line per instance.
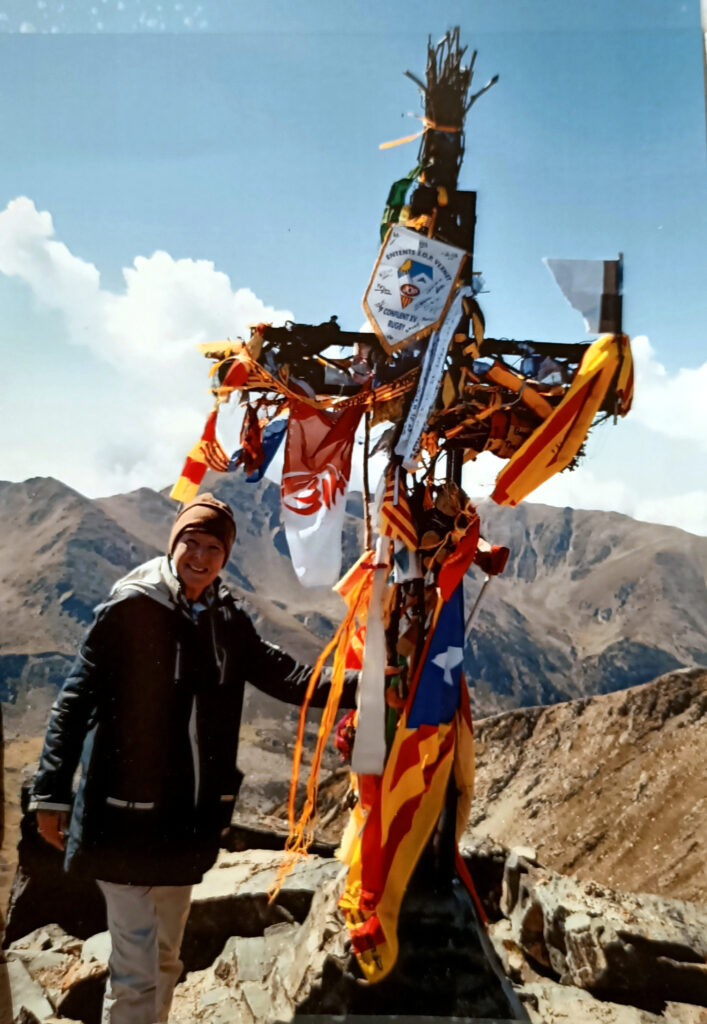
column 554, row 444
column 206, row 453
column 433, row 738
column 396, row 515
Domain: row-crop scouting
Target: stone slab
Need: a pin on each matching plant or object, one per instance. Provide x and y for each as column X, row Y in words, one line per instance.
column 98, row 947
column 25, row 992
column 254, row 871
column 550, row 1003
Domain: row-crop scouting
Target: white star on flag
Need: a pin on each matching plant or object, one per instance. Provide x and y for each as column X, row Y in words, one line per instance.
column 448, row 661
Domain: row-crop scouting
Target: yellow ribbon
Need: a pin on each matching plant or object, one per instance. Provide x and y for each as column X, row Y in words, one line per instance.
column 428, row 126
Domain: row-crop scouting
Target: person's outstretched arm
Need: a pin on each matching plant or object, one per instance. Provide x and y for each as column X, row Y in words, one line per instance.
column 278, row 674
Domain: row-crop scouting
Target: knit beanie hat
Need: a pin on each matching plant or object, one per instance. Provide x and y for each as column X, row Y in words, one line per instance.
column 208, row 514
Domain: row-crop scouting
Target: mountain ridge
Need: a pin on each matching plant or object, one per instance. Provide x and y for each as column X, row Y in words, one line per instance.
column 590, row 601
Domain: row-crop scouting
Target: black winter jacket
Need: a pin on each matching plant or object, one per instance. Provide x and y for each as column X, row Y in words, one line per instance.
column 152, row 708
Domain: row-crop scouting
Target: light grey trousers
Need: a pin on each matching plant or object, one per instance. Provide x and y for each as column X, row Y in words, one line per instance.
column 146, row 925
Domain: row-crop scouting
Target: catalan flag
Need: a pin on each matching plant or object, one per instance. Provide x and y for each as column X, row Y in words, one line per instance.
column 197, row 462
column 237, row 373
column 607, row 363
column 395, row 513
column 433, row 738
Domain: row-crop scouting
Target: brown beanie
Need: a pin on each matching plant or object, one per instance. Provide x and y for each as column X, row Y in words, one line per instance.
column 208, row 514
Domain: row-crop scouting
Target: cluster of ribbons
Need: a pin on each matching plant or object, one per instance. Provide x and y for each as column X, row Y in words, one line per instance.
column 539, row 428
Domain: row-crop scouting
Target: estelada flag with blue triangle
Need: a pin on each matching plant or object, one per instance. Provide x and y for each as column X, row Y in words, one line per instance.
column 433, row 737
column 436, row 696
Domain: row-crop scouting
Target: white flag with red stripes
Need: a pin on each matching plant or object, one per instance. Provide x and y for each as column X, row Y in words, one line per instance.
column 315, row 478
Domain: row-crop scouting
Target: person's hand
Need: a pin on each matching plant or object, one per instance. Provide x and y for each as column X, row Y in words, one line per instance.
column 51, row 826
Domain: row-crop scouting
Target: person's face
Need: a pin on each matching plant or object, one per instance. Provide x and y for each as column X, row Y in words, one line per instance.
column 198, row 559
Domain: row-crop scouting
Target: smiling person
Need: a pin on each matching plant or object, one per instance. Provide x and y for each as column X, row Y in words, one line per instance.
column 151, row 709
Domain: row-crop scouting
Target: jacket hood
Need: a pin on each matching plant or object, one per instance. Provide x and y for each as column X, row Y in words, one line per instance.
column 154, row 579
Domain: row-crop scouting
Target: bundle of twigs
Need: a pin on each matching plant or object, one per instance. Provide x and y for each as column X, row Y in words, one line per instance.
column 446, row 101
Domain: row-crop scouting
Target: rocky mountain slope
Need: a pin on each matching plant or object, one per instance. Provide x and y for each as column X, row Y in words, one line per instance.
column 590, row 601
column 612, row 788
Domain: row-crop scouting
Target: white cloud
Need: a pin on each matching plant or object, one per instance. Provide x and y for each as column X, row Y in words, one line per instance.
column 687, row 511
column 152, row 411
column 28, row 251
column 671, row 404
column 168, row 306
column 586, row 488
column 591, row 488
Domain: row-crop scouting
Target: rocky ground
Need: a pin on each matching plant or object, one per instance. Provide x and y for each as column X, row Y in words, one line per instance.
column 572, row 951
column 599, row 914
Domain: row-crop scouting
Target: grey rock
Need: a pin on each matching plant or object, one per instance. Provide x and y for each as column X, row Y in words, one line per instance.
column 644, row 949
column 551, row 1003
column 258, row 999
column 252, row 960
column 223, row 1006
column 215, row 996
column 82, row 990
column 255, row 871
column 682, row 1013
column 576, row 952
column 261, row 977
column 485, row 859
column 27, row 1017
column 70, row 977
column 97, row 947
column 42, row 960
column 25, row 993
column 233, row 899
column 526, row 853
column 49, row 937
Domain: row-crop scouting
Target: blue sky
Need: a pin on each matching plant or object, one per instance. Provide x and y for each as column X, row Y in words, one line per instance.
column 172, row 172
